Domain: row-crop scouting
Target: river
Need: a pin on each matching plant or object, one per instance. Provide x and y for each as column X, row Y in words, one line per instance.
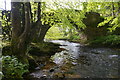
column 79, row 61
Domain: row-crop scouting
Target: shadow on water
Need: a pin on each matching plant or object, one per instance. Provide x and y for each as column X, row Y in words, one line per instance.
column 78, row 61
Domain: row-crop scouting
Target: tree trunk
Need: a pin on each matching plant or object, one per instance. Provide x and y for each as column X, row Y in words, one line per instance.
column 24, row 37
column 43, row 32
column 16, row 23
column 21, row 32
column 118, row 7
column 113, row 8
column 39, row 31
column 20, row 39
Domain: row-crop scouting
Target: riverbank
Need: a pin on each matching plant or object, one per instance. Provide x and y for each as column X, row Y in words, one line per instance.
column 79, row 61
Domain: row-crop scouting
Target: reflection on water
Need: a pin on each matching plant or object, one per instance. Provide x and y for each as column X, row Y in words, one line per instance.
column 112, row 56
column 71, row 48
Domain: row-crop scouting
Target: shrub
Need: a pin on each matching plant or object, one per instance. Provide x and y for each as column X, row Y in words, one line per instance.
column 12, row 68
column 111, row 40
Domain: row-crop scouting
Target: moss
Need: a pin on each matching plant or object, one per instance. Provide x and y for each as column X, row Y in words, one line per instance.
column 43, row 49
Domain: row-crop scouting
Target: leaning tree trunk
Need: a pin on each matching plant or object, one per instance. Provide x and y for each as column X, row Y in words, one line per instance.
column 43, row 32
column 39, row 31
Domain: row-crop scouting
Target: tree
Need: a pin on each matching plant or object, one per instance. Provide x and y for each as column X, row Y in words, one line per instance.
column 110, row 12
column 27, row 26
column 20, row 33
column 30, row 19
column 41, row 21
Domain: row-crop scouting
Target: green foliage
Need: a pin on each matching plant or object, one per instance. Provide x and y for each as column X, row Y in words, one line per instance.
column 115, row 23
column 110, row 10
column 113, row 39
column 92, row 6
column 6, row 24
column 110, row 40
column 70, row 16
column 107, row 20
column 54, row 33
column 12, row 68
column 66, row 19
column 48, row 17
column 73, row 35
column 34, row 11
column 76, row 37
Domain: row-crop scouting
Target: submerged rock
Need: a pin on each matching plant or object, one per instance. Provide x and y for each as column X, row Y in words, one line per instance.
column 49, row 66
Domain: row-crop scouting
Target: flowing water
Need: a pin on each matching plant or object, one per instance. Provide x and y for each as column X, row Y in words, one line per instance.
column 79, row 61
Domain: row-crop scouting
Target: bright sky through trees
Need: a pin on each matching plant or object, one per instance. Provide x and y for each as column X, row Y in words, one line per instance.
column 2, row 4
column 8, row 4
column 49, row 2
